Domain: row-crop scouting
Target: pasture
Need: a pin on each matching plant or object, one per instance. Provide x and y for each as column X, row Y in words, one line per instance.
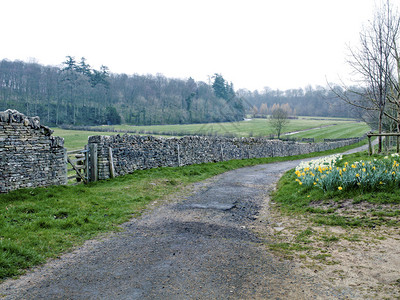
column 250, row 127
column 305, row 126
column 339, row 131
column 76, row 139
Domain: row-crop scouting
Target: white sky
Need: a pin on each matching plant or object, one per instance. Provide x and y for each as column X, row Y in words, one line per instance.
column 253, row 43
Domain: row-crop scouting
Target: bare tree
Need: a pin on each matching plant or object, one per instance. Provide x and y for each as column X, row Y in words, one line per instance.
column 278, row 120
column 375, row 62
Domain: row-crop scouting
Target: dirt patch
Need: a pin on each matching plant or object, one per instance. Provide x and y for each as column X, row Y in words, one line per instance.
column 364, row 259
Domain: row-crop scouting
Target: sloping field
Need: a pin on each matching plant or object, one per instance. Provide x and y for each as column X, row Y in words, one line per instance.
column 307, row 127
column 341, row 130
column 253, row 127
column 76, row 139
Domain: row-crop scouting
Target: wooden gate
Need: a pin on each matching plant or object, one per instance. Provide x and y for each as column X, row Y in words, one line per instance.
column 79, row 162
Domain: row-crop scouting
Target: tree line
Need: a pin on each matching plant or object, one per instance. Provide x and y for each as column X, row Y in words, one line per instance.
column 318, row 101
column 77, row 94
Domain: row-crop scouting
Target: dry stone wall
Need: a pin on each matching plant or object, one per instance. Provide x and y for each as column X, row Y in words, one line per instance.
column 118, row 155
column 29, row 155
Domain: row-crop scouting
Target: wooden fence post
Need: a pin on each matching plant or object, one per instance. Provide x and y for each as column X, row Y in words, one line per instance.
column 369, row 145
column 111, row 162
column 87, row 166
column 387, row 144
column 93, row 162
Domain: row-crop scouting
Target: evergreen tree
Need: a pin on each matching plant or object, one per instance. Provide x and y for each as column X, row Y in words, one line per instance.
column 219, row 86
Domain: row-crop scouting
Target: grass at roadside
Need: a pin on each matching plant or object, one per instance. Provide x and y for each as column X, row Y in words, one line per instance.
column 330, row 216
column 40, row 223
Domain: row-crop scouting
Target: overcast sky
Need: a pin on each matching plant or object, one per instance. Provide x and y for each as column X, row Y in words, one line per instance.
column 253, row 43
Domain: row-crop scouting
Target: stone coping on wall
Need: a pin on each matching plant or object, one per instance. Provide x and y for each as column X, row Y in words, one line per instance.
column 11, row 116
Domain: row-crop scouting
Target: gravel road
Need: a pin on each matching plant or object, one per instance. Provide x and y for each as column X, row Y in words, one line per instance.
column 199, row 245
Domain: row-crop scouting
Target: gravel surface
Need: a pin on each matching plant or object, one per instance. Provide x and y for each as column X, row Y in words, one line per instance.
column 200, row 244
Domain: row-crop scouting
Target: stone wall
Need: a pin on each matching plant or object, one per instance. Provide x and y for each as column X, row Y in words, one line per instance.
column 29, row 155
column 124, row 154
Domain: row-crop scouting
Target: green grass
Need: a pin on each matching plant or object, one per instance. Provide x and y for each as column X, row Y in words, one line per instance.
column 344, row 128
column 339, row 131
column 39, row 223
column 317, row 204
column 254, row 127
column 77, row 139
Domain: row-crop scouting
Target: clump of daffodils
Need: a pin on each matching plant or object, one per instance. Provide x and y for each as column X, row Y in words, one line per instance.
column 324, row 162
column 366, row 175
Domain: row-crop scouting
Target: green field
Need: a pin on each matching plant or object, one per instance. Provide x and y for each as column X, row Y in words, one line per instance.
column 76, row 139
column 338, row 128
column 339, row 131
column 253, row 127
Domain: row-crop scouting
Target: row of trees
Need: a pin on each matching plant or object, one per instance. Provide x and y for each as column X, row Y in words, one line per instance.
column 318, row 101
column 264, row 111
column 77, row 94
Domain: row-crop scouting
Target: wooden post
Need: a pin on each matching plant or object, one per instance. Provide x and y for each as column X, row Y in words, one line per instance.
column 387, row 144
column 398, row 145
column 369, row 145
column 87, row 163
column 80, row 166
column 93, row 162
column 65, row 181
column 222, row 153
column 111, row 162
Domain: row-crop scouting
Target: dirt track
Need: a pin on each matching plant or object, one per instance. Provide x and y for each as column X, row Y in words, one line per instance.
column 198, row 245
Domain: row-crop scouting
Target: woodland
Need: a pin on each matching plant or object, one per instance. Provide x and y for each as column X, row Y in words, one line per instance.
column 76, row 94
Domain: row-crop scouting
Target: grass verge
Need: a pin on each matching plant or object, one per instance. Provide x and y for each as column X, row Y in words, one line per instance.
column 354, row 207
column 41, row 223
column 315, row 219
